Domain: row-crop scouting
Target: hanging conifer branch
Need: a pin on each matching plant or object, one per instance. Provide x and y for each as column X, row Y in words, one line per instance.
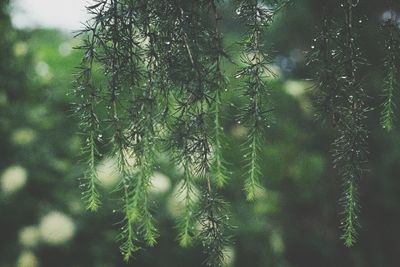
column 114, row 70
column 220, row 83
column 87, row 92
column 187, row 221
column 256, row 15
column 128, row 235
column 213, row 221
column 350, row 146
column 392, row 68
column 323, row 60
column 119, row 49
column 198, row 106
column 341, row 100
column 184, row 126
column 144, row 118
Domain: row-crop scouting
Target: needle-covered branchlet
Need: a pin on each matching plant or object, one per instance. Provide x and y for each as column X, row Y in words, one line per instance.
column 340, row 100
column 256, row 16
column 392, row 70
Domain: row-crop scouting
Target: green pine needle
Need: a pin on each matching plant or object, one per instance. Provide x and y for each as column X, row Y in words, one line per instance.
column 127, row 234
column 391, row 82
column 220, row 171
column 91, row 194
column 388, row 112
column 186, row 226
column 349, row 223
column 147, row 220
column 213, row 219
column 252, row 182
column 186, row 221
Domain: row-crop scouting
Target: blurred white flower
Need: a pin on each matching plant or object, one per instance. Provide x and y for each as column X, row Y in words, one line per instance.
column 20, row 49
column 298, row 89
column 160, row 183
column 42, row 69
column 295, row 88
column 276, row 241
column 107, row 172
column 29, row 236
column 56, row 228
column 27, row 259
column 3, row 99
column 65, row 49
column 239, row 131
column 23, row 136
column 76, row 206
column 13, row 179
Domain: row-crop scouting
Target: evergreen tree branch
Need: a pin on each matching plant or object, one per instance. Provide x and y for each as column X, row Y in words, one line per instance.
column 196, row 109
column 351, row 146
column 391, row 64
column 323, row 59
column 340, row 98
column 86, row 110
column 257, row 16
column 220, row 170
column 186, row 222
column 214, row 226
column 252, row 183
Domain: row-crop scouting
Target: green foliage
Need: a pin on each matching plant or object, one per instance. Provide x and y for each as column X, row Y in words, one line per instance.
column 162, row 64
column 256, row 16
column 341, row 92
column 213, row 222
column 186, row 222
column 322, row 59
column 90, row 124
column 161, row 91
column 292, row 222
column 391, row 82
column 220, row 171
column 164, row 79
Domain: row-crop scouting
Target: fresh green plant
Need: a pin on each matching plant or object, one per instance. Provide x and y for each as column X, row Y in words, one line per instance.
column 343, row 99
column 152, row 81
column 391, row 84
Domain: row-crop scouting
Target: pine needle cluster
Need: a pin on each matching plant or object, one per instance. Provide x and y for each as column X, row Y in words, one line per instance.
column 392, row 70
column 256, row 58
column 341, row 100
column 151, row 81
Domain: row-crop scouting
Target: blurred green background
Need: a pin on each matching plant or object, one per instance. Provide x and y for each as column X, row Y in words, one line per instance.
column 293, row 223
